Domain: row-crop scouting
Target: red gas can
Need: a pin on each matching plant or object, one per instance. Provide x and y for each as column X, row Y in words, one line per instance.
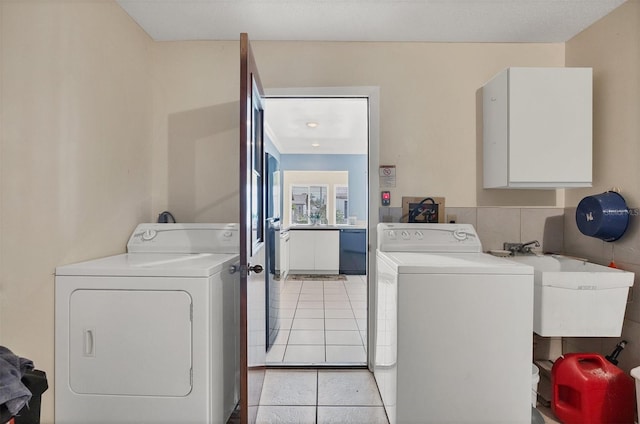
column 588, row 389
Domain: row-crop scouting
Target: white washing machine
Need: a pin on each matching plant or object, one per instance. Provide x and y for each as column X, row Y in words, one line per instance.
column 151, row 336
column 454, row 328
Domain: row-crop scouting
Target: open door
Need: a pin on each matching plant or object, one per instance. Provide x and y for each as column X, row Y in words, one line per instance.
column 252, row 233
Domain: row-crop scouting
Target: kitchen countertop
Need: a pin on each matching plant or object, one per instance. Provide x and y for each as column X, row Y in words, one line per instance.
column 326, row 227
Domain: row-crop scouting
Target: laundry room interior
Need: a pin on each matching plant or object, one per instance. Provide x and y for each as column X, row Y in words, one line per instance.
column 103, row 127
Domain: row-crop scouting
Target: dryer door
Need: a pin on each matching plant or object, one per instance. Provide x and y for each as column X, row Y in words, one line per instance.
column 130, row 342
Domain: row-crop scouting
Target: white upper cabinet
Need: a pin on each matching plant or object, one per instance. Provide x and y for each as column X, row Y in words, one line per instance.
column 537, row 128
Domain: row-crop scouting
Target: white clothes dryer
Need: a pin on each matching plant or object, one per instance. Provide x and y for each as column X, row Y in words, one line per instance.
column 151, row 336
column 454, row 328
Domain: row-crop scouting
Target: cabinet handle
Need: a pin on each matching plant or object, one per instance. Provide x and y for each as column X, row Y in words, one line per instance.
column 89, row 342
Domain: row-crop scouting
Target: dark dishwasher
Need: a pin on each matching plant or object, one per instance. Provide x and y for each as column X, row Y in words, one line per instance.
column 353, row 251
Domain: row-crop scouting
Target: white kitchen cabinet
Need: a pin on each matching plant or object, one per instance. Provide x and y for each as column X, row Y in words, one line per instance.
column 537, row 128
column 314, row 251
column 301, row 251
column 327, row 255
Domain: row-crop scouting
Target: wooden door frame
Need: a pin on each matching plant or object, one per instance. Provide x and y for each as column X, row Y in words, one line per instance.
column 248, row 74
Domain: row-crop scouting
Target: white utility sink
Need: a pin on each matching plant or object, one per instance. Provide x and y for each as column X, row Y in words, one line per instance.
column 571, row 272
column 573, row 297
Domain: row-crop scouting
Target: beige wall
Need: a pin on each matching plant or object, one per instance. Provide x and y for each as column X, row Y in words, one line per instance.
column 429, row 124
column 196, row 112
column 430, row 127
column 75, row 107
column 612, row 47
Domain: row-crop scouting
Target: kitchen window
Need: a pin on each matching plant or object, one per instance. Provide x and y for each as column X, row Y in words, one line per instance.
column 309, row 204
column 341, row 204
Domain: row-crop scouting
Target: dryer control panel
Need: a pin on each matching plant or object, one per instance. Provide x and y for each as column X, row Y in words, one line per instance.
column 403, row 237
column 185, row 238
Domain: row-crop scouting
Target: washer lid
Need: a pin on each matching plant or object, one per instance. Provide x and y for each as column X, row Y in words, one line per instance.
column 153, row 265
column 448, row 263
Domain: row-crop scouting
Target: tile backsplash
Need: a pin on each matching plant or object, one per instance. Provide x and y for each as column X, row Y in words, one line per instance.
column 496, row 225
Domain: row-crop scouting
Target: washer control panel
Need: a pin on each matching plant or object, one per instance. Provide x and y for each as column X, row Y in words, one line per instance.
column 428, row 238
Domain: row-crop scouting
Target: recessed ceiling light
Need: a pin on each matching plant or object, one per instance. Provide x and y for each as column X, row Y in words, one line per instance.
column 315, row 145
column 312, row 124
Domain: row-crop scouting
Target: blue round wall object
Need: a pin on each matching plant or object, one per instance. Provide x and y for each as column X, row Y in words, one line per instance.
column 604, row 216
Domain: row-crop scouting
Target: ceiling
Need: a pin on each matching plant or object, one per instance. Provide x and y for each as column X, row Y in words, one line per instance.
column 341, row 125
column 521, row 21
column 343, row 122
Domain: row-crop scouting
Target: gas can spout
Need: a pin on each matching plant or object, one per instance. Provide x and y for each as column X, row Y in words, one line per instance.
column 613, row 358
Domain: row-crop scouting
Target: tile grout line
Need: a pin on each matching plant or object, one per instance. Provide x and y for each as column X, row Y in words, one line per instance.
column 324, row 322
column 317, row 392
column 353, row 312
column 324, row 328
column 286, row 345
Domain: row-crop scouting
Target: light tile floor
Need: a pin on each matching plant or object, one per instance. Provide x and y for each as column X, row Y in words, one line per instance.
column 318, row 396
column 322, row 322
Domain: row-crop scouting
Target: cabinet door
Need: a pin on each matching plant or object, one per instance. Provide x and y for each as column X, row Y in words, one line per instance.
column 301, row 250
column 550, row 125
column 327, row 251
column 353, row 252
column 537, row 128
column 495, row 131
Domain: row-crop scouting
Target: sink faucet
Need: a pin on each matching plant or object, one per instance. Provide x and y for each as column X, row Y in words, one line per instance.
column 521, row 248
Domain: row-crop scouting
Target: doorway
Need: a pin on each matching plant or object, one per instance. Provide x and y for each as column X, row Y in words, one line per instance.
column 323, row 318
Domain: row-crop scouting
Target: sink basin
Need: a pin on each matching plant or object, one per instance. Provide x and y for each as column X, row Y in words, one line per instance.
column 573, row 297
column 564, row 271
